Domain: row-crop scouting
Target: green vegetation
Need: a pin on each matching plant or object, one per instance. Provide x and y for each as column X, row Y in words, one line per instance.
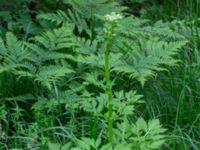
column 99, row 75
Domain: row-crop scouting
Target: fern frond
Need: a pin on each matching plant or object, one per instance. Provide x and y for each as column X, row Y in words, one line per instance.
column 40, row 56
column 72, row 17
column 22, row 98
column 13, row 53
column 48, row 75
column 16, row 52
column 98, row 60
column 145, row 52
column 57, row 39
column 2, row 48
column 85, row 46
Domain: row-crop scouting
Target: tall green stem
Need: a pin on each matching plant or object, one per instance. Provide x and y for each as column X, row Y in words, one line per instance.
column 109, row 91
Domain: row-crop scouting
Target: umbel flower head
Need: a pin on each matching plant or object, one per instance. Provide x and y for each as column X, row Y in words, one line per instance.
column 113, row 16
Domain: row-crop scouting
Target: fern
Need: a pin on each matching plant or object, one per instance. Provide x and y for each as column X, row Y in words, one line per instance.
column 2, row 48
column 139, row 58
column 39, row 60
column 90, row 8
column 61, row 17
column 57, row 39
column 86, row 46
column 49, row 75
column 13, row 54
column 52, row 42
column 139, row 52
column 82, row 12
column 143, row 58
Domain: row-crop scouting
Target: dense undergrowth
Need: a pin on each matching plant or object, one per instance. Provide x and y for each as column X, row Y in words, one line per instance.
column 99, row 75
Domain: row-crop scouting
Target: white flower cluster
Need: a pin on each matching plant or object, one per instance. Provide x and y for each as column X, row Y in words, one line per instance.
column 113, row 16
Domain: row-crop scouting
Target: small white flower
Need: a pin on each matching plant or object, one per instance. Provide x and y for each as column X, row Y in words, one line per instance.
column 113, row 16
